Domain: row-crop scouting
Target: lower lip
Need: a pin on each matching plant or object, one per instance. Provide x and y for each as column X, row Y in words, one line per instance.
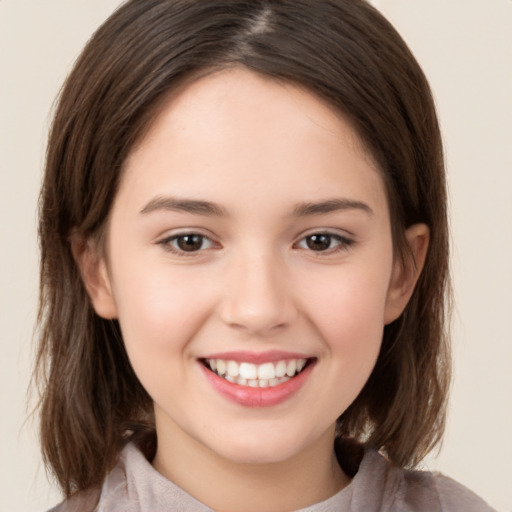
column 257, row 397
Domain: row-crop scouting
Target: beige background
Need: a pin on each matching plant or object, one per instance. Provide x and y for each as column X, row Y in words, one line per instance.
column 465, row 47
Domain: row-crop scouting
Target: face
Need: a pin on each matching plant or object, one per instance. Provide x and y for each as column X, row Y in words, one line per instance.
column 249, row 261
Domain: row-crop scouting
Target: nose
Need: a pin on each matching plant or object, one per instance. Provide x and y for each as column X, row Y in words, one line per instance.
column 258, row 297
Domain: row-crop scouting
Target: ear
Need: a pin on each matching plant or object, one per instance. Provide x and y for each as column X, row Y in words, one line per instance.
column 93, row 268
column 406, row 273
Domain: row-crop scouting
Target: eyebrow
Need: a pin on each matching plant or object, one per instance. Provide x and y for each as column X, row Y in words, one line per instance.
column 329, row 206
column 184, row 205
column 199, row 207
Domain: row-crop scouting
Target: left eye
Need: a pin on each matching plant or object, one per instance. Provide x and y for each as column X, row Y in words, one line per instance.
column 188, row 242
column 321, row 242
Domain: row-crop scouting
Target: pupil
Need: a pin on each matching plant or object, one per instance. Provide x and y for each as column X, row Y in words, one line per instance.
column 319, row 242
column 190, row 242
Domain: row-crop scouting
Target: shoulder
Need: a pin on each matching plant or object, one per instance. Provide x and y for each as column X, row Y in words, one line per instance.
column 104, row 499
column 85, row 501
column 133, row 485
column 408, row 490
column 453, row 496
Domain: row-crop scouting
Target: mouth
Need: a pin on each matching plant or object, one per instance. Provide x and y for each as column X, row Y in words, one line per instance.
column 266, row 375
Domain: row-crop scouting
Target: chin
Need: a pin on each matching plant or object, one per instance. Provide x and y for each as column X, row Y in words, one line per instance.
column 257, row 455
column 258, row 448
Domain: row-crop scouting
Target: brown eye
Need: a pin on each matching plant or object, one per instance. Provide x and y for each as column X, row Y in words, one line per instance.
column 325, row 242
column 187, row 243
column 320, row 242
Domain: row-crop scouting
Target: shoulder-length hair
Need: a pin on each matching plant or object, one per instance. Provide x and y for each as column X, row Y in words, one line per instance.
column 344, row 52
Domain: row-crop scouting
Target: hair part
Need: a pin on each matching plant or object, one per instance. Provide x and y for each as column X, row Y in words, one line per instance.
column 344, row 52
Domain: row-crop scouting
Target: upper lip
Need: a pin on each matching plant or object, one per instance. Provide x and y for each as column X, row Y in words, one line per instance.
column 268, row 356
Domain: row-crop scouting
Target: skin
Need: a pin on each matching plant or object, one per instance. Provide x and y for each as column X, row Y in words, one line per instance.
column 257, row 149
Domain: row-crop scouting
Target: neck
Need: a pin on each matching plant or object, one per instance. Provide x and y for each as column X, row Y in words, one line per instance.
column 308, row 477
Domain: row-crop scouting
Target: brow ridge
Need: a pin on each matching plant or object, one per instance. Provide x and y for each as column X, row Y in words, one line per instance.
column 193, row 206
column 330, row 206
column 200, row 207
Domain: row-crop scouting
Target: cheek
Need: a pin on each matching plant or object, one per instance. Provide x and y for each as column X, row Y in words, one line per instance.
column 349, row 321
column 159, row 315
column 159, row 311
column 348, row 311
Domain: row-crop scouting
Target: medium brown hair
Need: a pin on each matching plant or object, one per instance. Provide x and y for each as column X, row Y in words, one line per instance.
column 344, row 52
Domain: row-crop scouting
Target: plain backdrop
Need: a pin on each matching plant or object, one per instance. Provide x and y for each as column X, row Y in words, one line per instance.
column 465, row 48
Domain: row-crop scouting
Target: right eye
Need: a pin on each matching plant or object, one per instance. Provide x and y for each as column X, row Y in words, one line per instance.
column 325, row 242
column 187, row 243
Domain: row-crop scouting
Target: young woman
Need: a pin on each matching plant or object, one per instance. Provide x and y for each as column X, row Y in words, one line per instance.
column 245, row 264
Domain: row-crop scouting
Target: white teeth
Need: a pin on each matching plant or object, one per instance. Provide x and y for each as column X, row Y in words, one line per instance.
column 281, row 369
column 266, row 371
column 221, row 367
column 253, row 375
column 291, row 368
column 248, row 371
column 232, row 369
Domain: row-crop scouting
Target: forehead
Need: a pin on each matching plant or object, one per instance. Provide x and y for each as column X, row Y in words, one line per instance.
column 243, row 92
column 238, row 130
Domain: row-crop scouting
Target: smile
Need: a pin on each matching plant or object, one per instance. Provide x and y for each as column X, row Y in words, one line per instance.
column 257, row 380
column 264, row 375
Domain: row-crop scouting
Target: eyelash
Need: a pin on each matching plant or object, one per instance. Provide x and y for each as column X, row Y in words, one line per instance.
column 343, row 243
column 167, row 243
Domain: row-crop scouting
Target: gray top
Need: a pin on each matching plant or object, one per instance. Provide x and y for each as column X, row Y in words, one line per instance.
column 135, row 486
